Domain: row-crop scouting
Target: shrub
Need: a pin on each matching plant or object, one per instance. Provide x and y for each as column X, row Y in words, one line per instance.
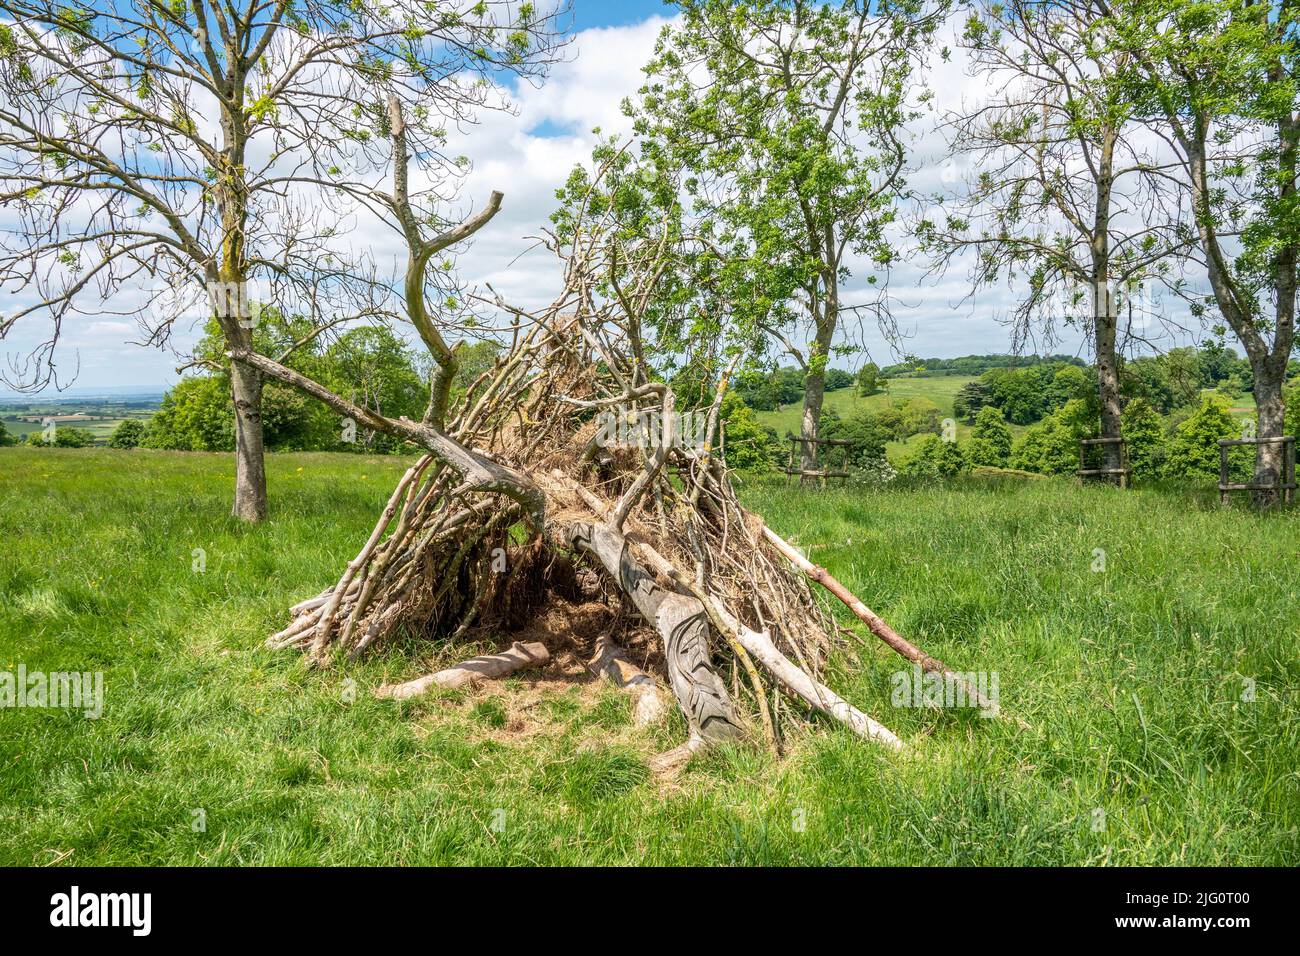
column 1194, row 450
column 990, row 442
column 970, row 398
column 65, row 436
column 870, row 381
column 127, row 434
column 1052, row 446
column 935, row 458
column 861, row 428
column 1145, row 438
column 749, row 443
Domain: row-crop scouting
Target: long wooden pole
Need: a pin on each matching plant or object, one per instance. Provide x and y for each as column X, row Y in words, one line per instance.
column 869, row 617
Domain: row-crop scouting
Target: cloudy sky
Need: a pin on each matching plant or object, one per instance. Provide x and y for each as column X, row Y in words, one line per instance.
column 527, row 153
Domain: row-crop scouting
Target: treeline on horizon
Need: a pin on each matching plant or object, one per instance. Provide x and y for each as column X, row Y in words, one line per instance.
column 1053, row 395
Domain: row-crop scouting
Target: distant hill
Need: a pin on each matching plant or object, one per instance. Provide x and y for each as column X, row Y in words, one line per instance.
column 972, row 364
column 133, row 395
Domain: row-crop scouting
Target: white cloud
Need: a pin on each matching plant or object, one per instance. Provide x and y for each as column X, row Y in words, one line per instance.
column 527, row 154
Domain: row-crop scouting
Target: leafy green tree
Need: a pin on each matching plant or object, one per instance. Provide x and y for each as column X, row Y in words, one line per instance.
column 373, row 368
column 1194, row 448
column 935, row 458
column 901, row 420
column 196, row 414
column 786, row 118
column 128, row 434
column 1144, row 434
column 970, row 398
column 749, row 444
column 5, row 437
column 864, row 430
column 870, row 381
column 990, row 442
column 65, row 436
column 1051, row 447
column 837, row 378
column 475, row 358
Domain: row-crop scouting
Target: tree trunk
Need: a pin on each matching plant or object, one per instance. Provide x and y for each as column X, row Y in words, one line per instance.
column 815, row 389
column 1105, row 311
column 250, row 463
column 1107, row 379
column 1271, row 411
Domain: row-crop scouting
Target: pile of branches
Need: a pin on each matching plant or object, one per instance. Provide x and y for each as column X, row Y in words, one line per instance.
column 566, row 458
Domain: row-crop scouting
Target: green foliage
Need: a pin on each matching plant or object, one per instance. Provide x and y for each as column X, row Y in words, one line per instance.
column 1144, row 437
column 749, row 444
column 901, row 420
column 970, row 364
column 1176, row 378
column 935, row 458
column 864, row 430
column 1194, row 448
column 1025, row 395
column 65, row 436
column 762, row 180
column 970, row 398
column 1051, row 447
column 990, row 442
column 5, row 437
column 836, row 379
column 368, row 365
column 129, row 434
column 869, row 380
column 765, row 391
column 195, row 415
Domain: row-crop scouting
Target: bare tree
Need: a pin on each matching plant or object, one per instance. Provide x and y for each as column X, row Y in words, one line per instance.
column 221, row 146
column 1068, row 191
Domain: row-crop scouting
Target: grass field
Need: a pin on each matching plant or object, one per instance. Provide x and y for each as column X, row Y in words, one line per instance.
column 1146, row 745
column 101, row 428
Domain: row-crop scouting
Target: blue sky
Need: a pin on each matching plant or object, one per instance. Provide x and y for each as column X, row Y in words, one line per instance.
column 527, row 153
column 615, row 13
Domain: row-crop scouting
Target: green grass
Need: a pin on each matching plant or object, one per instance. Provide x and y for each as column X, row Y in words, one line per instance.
column 1131, row 680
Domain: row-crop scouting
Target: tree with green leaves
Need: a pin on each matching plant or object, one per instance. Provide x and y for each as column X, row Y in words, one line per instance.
column 1222, row 77
column 935, row 458
column 1066, row 194
column 1194, row 448
column 990, row 441
column 785, row 118
column 128, row 434
column 1144, row 434
column 188, row 157
column 869, row 380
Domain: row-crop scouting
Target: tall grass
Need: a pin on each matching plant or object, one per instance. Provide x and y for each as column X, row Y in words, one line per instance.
column 1146, row 744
